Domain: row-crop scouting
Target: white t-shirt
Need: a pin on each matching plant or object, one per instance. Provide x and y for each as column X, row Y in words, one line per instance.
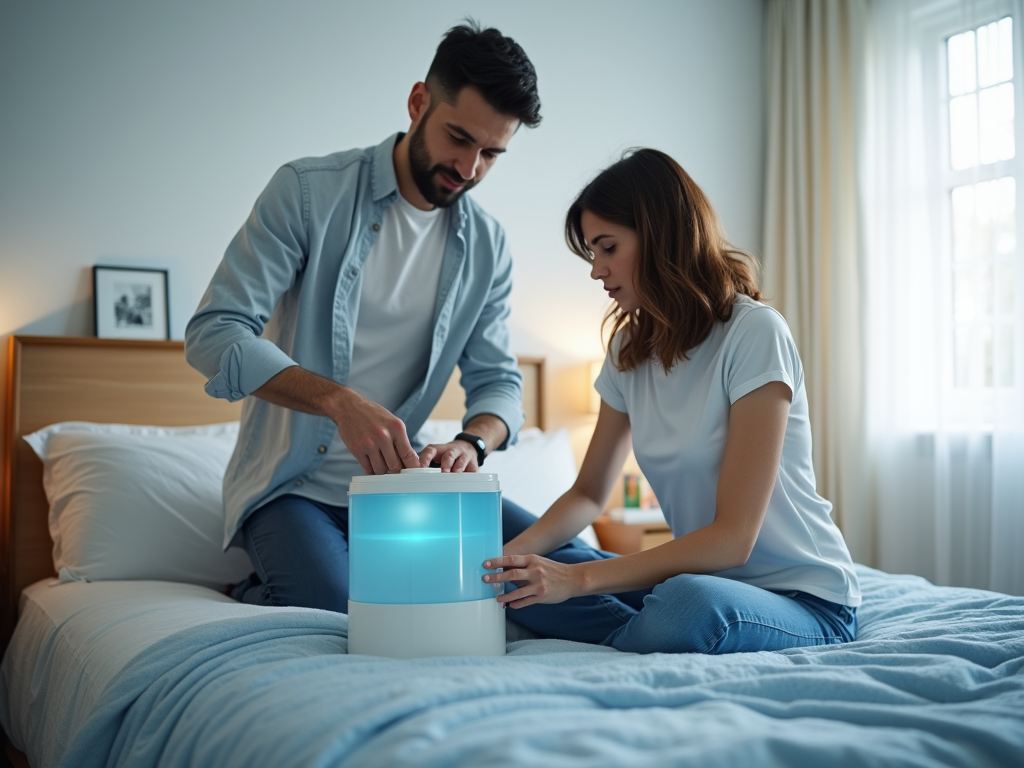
column 391, row 347
column 680, row 422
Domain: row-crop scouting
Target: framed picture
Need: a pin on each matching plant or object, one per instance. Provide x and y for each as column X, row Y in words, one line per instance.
column 131, row 303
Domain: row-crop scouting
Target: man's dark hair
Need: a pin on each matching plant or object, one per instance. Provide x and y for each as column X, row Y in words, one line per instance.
column 494, row 64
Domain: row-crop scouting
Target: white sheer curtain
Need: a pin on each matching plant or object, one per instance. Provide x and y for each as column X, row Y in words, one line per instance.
column 945, row 393
column 811, row 256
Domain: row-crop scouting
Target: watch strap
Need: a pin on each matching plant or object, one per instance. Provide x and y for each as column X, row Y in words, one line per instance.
column 477, row 442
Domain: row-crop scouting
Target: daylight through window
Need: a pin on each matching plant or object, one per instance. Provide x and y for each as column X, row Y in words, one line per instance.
column 981, row 137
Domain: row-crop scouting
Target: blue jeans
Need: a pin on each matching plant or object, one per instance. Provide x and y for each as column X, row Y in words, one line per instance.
column 300, row 551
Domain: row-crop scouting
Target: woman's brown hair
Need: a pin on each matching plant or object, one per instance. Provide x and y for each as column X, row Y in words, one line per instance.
column 687, row 275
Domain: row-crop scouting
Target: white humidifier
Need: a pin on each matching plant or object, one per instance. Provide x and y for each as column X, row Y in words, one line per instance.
column 417, row 543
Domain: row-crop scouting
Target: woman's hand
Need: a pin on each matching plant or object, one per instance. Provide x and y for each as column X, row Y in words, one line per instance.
column 538, row 579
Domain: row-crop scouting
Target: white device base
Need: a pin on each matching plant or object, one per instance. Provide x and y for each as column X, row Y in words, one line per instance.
column 471, row 628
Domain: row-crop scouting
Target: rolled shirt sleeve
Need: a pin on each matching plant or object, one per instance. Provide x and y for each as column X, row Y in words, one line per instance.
column 246, row 366
column 263, row 261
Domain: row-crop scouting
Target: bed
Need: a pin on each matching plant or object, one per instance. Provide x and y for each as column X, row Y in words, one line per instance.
column 131, row 672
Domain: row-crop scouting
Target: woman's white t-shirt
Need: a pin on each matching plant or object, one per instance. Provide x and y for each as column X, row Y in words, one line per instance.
column 680, row 421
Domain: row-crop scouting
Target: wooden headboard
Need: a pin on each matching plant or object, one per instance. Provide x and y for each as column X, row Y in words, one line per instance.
column 53, row 379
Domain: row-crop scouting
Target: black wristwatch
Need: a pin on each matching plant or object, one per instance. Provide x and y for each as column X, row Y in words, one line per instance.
column 476, row 442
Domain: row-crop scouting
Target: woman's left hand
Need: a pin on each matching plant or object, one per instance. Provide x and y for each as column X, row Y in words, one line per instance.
column 538, row 579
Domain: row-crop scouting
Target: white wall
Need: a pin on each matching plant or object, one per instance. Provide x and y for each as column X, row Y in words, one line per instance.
column 140, row 134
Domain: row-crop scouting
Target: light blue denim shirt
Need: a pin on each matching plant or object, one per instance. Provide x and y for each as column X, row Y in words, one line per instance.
column 287, row 293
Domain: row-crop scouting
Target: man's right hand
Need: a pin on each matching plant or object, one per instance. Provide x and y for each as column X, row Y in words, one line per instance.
column 374, row 435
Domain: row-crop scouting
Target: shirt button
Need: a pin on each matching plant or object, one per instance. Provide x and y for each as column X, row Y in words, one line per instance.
column 376, row 227
column 298, row 483
column 353, row 272
column 322, row 449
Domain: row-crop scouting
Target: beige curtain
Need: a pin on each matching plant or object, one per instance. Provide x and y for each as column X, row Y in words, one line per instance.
column 812, row 264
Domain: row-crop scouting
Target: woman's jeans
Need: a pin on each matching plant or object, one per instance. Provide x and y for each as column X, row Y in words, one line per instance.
column 300, row 551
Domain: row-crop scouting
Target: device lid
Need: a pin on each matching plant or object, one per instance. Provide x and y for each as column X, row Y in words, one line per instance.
column 425, row 480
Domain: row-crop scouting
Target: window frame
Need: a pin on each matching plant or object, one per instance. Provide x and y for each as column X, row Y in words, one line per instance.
column 936, row 23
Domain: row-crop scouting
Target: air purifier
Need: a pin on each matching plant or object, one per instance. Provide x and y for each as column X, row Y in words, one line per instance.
column 417, row 543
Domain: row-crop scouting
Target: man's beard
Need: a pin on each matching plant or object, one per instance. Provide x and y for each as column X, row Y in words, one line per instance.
column 423, row 173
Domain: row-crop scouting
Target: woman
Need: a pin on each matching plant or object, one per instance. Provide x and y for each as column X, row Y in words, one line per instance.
column 706, row 384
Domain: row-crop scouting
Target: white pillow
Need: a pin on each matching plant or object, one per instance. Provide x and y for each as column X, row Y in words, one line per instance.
column 533, row 473
column 438, row 431
column 139, row 502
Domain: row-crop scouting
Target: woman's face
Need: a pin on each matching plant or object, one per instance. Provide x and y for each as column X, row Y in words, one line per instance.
column 614, row 249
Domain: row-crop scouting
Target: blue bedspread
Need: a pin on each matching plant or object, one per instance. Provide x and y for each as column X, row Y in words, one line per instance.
column 936, row 678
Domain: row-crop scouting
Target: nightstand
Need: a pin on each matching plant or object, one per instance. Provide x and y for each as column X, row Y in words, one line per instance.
column 627, row 538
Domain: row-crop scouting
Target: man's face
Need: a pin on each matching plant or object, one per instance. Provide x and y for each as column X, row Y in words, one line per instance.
column 452, row 146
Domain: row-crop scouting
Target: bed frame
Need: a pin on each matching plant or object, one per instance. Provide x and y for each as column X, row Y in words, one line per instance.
column 54, row 378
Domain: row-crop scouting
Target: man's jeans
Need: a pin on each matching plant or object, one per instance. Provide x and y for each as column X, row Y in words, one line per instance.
column 300, row 551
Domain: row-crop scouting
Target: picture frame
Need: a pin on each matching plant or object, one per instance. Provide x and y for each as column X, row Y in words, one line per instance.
column 131, row 303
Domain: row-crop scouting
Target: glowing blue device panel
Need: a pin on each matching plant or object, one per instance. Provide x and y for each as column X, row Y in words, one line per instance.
column 415, row 548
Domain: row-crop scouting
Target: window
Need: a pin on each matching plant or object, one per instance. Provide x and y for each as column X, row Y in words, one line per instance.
column 982, row 191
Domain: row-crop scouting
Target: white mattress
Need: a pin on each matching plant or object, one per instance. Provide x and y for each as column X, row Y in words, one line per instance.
column 72, row 639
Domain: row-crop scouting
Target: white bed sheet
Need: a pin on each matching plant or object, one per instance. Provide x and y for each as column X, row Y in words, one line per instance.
column 72, row 640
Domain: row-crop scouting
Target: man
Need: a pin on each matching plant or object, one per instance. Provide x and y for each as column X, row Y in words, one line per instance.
column 344, row 303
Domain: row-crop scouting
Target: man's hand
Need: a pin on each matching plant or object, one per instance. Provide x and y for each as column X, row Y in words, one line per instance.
column 456, row 456
column 374, row 435
column 461, row 456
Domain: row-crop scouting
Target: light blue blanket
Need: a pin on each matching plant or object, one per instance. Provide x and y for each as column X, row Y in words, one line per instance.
column 936, row 678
